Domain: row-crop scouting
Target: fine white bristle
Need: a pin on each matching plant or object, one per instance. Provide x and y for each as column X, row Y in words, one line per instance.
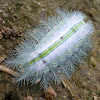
column 57, row 46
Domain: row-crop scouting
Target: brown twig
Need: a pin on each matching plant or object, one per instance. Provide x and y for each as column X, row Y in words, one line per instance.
column 67, row 83
column 7, row 70
column 2, row 58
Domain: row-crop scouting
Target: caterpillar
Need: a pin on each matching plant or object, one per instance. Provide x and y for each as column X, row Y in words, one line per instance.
column 57, row 46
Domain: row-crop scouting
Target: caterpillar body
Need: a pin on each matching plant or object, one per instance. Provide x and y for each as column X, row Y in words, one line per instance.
column 56, row 47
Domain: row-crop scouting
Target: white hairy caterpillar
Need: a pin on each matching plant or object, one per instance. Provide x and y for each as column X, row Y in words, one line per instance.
column 56, row 47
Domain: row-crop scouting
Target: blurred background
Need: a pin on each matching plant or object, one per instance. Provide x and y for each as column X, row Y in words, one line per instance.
column 18, row 16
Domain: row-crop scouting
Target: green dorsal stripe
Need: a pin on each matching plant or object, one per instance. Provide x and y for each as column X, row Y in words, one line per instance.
column 57, row 43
